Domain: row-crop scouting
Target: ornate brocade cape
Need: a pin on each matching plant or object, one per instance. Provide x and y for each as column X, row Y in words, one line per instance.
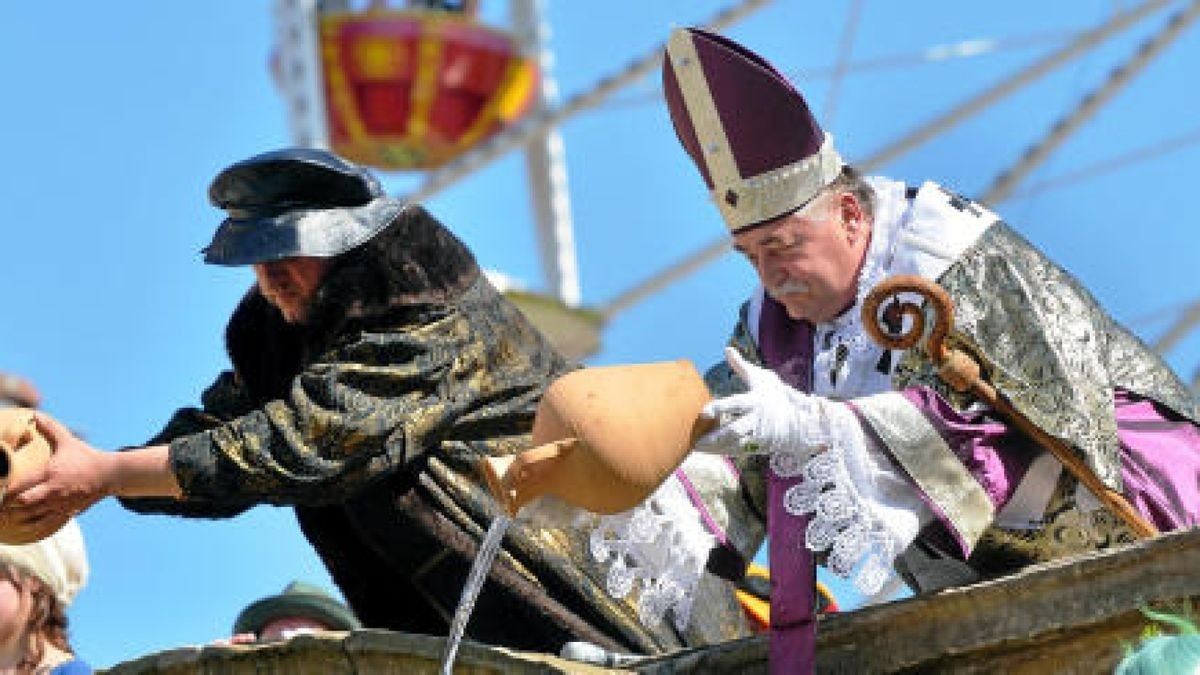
column 1045, row 344
column 1049, row 347
column 370, row 419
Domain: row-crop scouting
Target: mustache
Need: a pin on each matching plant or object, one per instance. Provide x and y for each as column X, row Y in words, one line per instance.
column 787, row 288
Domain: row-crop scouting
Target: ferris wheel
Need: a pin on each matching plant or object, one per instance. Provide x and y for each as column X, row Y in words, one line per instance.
column 426, row 86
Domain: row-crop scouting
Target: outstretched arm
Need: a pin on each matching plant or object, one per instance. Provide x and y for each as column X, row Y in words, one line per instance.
column 78, row 475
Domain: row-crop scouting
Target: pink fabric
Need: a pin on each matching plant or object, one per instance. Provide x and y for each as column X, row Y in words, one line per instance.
column 732, row 466
column 1160, row 456
column 1160, row 462
column 697, row 501
column 996, row 455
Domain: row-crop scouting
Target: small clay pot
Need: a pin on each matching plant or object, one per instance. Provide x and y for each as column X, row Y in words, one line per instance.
column 22, row 449
column 605, row 438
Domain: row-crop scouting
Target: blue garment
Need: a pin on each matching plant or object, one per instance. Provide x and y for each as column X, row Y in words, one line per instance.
column 72, row 667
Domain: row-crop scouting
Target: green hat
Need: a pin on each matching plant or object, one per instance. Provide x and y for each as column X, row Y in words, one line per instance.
column 297, row 599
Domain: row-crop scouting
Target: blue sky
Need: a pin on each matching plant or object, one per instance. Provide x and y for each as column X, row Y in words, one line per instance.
column 117, row 115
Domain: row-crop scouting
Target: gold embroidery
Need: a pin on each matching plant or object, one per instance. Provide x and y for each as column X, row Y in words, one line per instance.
column 931, row 463
column 1066, row 531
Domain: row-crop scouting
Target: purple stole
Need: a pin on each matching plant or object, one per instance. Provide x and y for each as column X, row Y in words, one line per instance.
column 786, row 347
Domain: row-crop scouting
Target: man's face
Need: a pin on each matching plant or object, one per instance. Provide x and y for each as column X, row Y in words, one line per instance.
column 290, row 284
column 809, row 260
column 286, row 627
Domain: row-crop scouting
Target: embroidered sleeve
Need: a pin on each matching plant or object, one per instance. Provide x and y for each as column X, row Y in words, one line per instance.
column 863, row 513
column 222, row 401
column 658, row 549
column 374, row 402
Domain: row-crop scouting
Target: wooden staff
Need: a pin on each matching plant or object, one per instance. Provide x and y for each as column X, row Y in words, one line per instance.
column 962, row 373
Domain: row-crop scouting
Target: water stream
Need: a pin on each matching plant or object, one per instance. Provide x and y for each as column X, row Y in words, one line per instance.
column 470, row 592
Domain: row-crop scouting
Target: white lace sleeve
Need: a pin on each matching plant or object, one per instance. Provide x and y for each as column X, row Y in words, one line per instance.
column 864, row 513
column 660, row 547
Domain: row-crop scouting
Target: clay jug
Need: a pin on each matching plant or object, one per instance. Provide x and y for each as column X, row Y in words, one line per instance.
column 605, row 438
column 22, row 449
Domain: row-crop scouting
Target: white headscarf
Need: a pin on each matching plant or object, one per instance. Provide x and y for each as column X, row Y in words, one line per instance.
column 59, row 560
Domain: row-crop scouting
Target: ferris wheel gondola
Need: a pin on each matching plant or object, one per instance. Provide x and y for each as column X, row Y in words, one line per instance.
column 412, row 87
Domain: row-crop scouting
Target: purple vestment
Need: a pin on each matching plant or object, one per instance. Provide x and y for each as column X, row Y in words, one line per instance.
column 787, row 350
column 1160, row 455
column 1160, row 460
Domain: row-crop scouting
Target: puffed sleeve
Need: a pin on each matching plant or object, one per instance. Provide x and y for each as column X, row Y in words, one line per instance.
column 375, row 401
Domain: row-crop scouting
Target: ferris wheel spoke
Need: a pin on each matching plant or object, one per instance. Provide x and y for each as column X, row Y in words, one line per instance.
column 1002, row 188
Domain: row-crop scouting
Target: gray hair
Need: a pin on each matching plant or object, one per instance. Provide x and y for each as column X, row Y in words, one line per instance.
column 850, row 180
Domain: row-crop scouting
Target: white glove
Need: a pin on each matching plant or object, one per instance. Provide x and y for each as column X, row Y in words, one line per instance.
column 771, row 417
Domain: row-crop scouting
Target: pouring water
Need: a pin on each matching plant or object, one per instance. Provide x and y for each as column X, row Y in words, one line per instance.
column 470, row 593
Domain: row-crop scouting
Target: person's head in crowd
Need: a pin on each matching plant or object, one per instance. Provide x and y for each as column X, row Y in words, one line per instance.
column 18, row 392
column 38, row 582
column 301, row 608
column 1165, row 653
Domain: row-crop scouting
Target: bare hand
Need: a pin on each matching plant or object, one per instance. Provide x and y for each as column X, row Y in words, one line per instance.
column 75, row 478
column 238, row 639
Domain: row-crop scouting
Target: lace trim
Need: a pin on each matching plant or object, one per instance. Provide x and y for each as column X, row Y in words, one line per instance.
column 859, row 543
column 659, row 547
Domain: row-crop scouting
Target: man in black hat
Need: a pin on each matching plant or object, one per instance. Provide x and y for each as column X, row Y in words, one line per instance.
column 373, row 366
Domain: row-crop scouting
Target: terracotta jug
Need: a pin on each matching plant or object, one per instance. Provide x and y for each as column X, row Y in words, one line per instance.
column 605, row 438
column 22, row 449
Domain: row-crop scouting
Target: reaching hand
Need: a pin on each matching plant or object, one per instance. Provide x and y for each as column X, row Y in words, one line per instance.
column 771, row 417
column 41, row 500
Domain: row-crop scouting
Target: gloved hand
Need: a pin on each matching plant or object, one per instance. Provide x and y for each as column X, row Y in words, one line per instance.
column 771, row 417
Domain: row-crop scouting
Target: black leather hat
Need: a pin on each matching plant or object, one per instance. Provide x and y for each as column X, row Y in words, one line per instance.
column 295, row 202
